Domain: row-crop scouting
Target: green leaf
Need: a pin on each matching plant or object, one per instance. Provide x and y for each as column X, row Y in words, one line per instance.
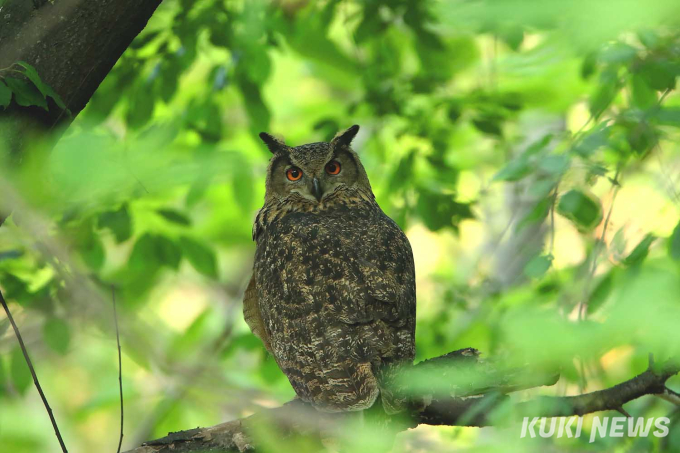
column 641, row 137
column 167, row 251
column 554, row 164
column 601, row 292
column 538, row 145
column 371, row 24
column 174, row 216
column 257, row 110
column 141, row 107
column 200, row 256
column 198, row 188
column 18, row 371
column 143, row 39
column 439, row 210
column 659, row 75
column 605, row 93
column 88, row 244
column 144, row 258
column 92, row 250
column 257, row 64
column 403, row 173
column 582, row 209
column 25, row 94
column 640, row 251
column 674, row 244
column 5, row 95
column 512, row 35
column 538, row 266
column 152, row 252
column 515, row 170
column 667, row 116
column 589, row 65
column 45, row 90
column 18, row 288
column 57, row 335
column 541, row 187
column 490, row 124
column 618, row 53
column 643, row 95
column 32, row 74
column 596, row 138
column 618, row 242
column 244, row 187
column 648, row 37
column 170, row 73
column 57, row 99
column 537, row 214
column 11, row 254
column 119, row 222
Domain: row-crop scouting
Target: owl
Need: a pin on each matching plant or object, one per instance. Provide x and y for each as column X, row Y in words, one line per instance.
column 332, row 295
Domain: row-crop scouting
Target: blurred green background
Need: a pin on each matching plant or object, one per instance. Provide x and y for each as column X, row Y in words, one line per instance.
column 529, row 150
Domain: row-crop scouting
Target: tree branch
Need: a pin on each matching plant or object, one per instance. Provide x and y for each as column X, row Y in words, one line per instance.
column 461, row 409
column 73, row 44
column 33, row 374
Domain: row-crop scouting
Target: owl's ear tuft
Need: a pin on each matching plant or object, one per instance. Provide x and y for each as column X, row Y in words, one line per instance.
column 345, row 137
column 274, row 144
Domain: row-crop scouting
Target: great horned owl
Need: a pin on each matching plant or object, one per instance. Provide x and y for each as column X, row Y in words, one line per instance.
column 332, row 295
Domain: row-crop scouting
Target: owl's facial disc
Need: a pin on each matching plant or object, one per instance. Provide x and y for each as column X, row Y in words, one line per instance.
column 314, row 172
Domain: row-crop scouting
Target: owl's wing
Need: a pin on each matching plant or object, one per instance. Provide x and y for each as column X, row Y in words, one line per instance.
column 385, row 279
column 377, row 297
column 252, row 314
column 386, row 318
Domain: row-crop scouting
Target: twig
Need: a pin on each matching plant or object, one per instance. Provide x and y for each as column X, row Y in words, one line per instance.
column 120, row 366
column 35, row 377
column 647, row 383
column 552, row 217
column 671, row 396
column 596, row 249
column 623, row 412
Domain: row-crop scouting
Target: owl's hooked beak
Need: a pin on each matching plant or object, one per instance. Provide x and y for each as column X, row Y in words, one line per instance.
column 316, row 189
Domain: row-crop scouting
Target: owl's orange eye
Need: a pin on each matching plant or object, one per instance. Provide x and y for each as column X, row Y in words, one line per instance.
column 333, row 167
column 293, row 174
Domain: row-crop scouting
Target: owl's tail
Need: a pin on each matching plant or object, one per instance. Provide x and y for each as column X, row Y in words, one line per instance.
column 347, row 387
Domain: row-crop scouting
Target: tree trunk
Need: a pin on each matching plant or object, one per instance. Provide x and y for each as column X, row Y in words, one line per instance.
column 73, row 44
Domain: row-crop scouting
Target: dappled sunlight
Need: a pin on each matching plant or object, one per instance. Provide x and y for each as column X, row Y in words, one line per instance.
column 530, row 152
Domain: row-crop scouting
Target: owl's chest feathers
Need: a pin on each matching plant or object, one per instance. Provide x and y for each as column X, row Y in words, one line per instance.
column 307, row 258
column 314, row 233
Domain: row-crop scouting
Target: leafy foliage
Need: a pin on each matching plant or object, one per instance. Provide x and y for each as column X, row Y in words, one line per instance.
column 499, row 135
column 31, row 91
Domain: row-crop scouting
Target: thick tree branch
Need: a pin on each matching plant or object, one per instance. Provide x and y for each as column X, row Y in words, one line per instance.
column 459, row 410
column 73, row 44
column 651, row 382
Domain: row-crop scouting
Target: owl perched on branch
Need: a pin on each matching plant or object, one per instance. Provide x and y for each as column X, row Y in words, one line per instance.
column 332, row 295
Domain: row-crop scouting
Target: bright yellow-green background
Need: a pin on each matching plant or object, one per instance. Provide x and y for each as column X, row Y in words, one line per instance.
column 164, row 166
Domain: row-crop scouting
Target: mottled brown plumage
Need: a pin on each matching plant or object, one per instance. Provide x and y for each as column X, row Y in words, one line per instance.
column 333, row 289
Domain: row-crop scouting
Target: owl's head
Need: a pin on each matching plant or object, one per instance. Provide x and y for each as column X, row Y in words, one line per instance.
column 313, row 172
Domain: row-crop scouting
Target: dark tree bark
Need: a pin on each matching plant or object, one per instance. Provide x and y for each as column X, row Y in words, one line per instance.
column 73, row 44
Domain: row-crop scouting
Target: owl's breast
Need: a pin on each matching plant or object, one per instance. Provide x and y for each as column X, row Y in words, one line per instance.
column 333, row 263
column 316, row 239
